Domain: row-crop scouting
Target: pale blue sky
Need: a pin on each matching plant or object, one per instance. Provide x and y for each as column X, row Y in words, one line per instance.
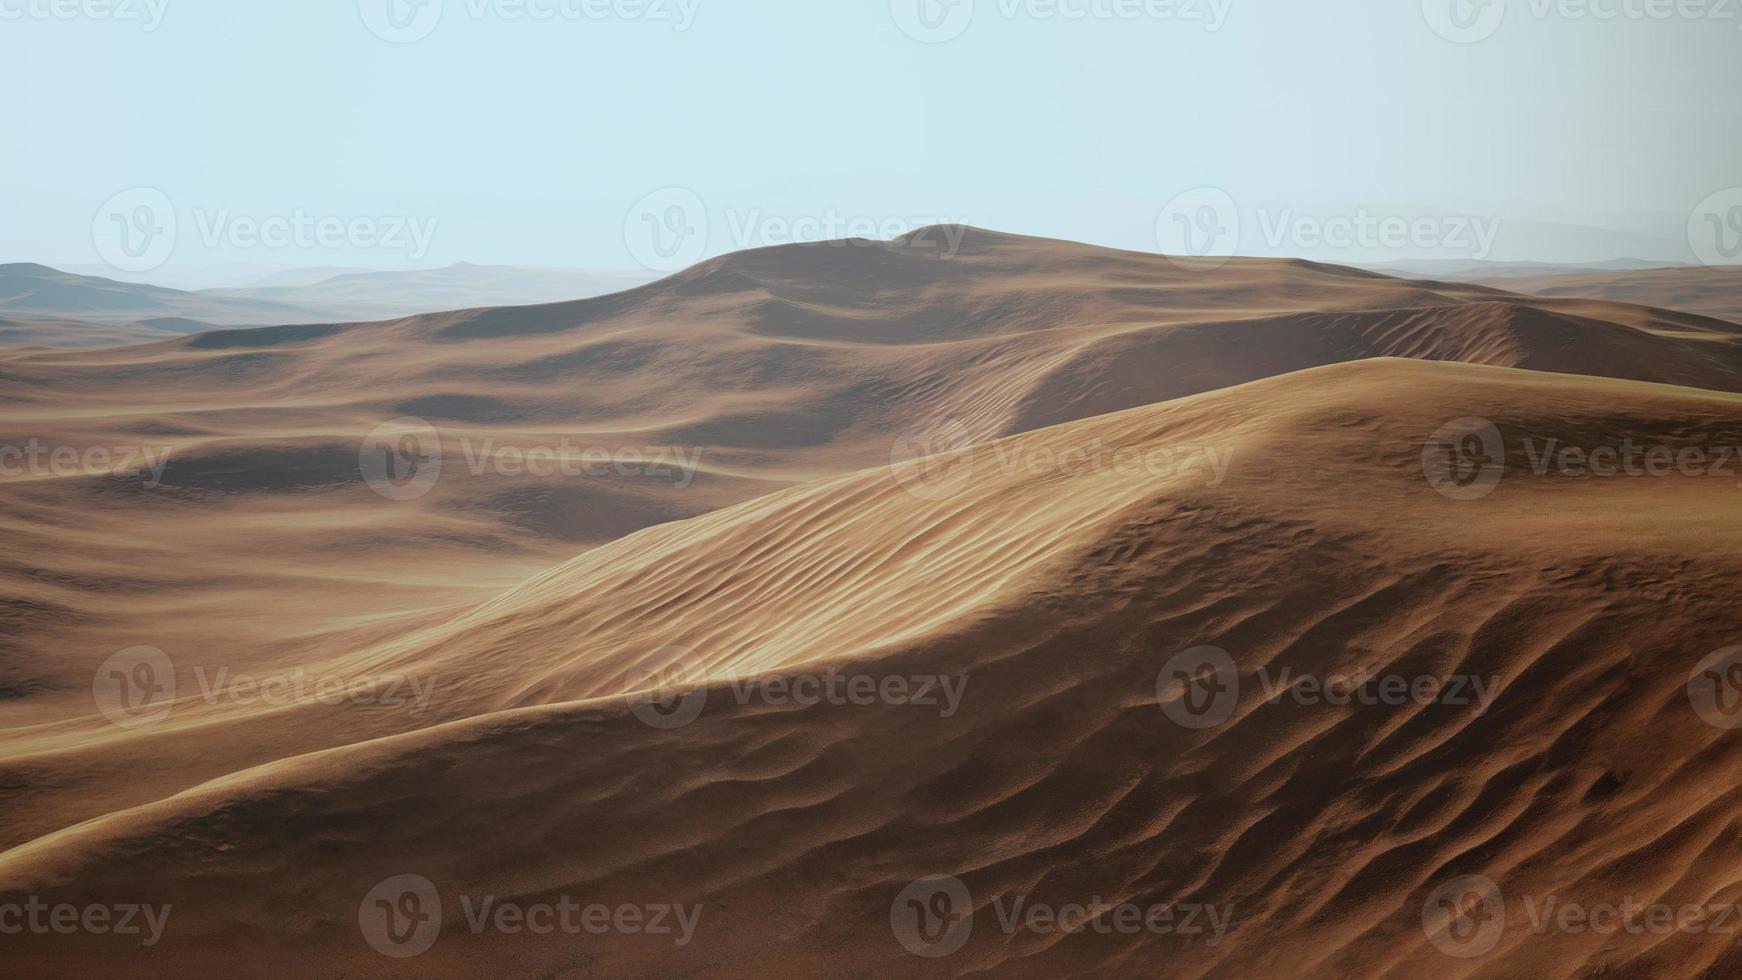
column 531, row 141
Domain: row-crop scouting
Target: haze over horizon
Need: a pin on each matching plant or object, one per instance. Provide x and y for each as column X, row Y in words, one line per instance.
column 616, row 135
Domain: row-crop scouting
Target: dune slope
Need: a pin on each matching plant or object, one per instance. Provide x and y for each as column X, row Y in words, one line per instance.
column 227, row 518
column 1053, row 580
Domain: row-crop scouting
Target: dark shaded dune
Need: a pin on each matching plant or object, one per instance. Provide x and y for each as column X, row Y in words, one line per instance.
column 264, row 469
column 579, row 513
column 266, row 336
column 1142, row 366
column 605, row 357
column 514, row 321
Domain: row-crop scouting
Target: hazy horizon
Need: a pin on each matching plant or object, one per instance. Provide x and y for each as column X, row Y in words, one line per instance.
column 615, row 135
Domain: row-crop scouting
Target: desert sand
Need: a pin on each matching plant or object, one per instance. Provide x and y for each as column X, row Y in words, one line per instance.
column 1128, row 460
column 1709, row 290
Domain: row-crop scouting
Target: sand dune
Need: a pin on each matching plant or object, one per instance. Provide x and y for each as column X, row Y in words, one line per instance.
column 1711, row 291
column 1054, row 588
column 1034, row 468
column 227, row 519
column 77, row 333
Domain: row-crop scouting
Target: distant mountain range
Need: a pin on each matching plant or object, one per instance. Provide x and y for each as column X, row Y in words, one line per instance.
column 40, row 305
column 385, row 295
